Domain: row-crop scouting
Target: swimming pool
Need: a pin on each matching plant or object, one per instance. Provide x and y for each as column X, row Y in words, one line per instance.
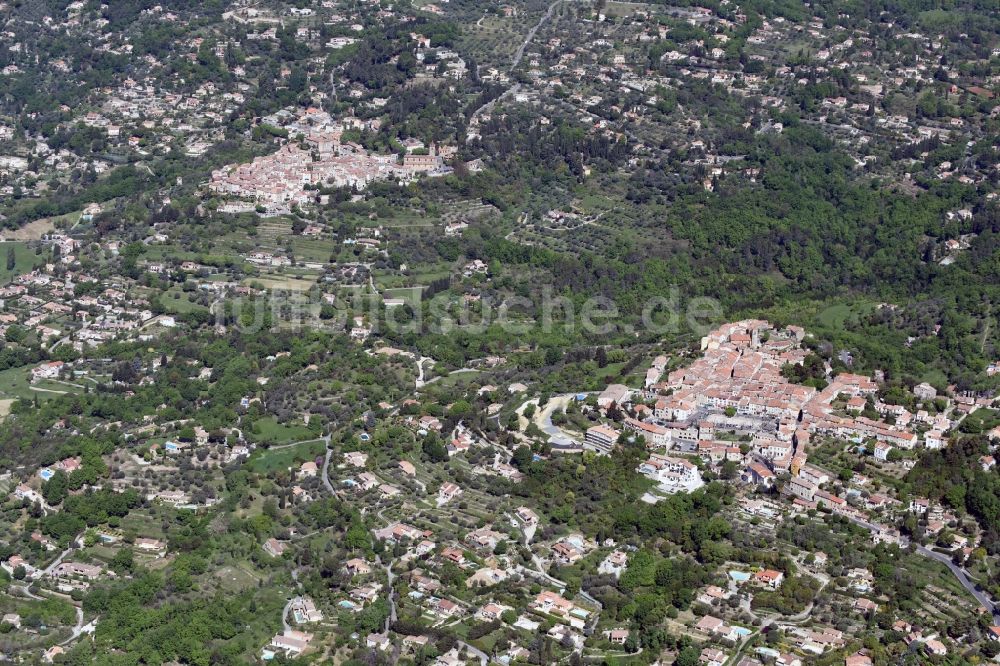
column 739, row 576
column 46, row 473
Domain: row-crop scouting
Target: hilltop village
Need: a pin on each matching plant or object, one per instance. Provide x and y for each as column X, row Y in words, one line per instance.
column 300, row 359
column 283, row 179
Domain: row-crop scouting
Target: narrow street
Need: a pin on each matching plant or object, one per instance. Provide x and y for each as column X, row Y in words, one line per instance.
column 391, row 593
column 326, row 465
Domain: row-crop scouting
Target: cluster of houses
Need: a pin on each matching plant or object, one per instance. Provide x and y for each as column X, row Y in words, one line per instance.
column 288, row 177
column 733, row 404
column 44, row 301
column 605, row 60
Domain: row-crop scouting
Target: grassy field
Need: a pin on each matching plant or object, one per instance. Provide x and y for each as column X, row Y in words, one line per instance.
column 836, row 316
column 144, row 524
column 14, row 383
column 274, row 235
column 457, row 378
column 935, row 377
column 622, row 8
column 410, row 294
column 236, row 578
column 268, row 429
column 312, row 249
column 269, row 460
column 35, row 230
column 417, row 278
column 281, row 282
column 175, row 300
column 162, row 252
column 56, row 386
column 494, row 39
column 24, row 260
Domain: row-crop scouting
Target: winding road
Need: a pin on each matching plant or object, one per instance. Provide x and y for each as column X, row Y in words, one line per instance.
column 284, row 614
column 420, row 370
column 543, row 419
column 958, row 572
column 326, row 464
column 391, row 592
column 963, row 577
column 79, row 628
column 45, row 572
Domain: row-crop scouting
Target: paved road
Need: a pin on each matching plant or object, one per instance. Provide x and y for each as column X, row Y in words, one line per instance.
column 592, row 600
column 45, row 390
column 482, row 656
column 28, row 593
column 420, row 370
column 539, row 572
column 960, row 573
column 69, row 336
column 326, row 465
column 610, row 655
column 488, row 107
column 80, row 628
column 421, row 484
column 519, row 54
column 543, row 419
column 153, row 320
column 782, row 621
column 284, row 614
column 56, row 562
column 963, row 577
column 742, row 646
column 420, row 381
column 391, row 592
